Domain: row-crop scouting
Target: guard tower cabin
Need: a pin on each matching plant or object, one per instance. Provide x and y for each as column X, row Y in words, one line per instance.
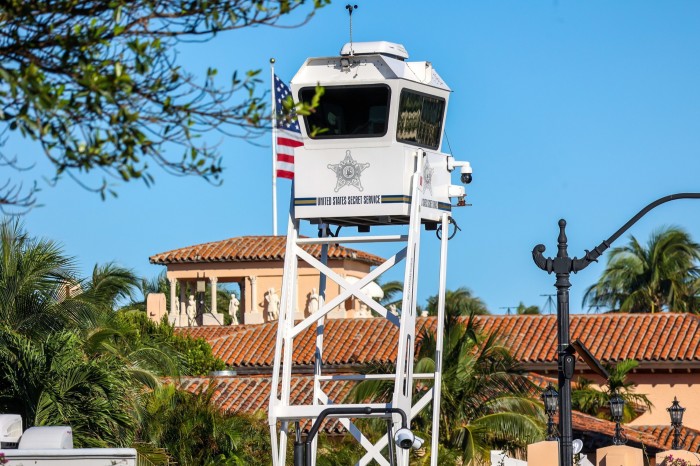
column 378, row 114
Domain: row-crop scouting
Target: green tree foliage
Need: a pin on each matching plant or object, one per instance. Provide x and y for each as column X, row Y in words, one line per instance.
column 459, row 302
column 51, row 381
column 393, row 294
column 587, row 399
column 197, row 433
column 194, row 355
column 486, row 402
column 97, row 84
column 63, row 361
column 523, row 310
column 34, row 274
column 109, row 285
column 661, row 276
column 67, row 357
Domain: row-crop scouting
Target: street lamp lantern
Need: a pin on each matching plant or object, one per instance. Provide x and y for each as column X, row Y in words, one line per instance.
column 676, row 411
column 617, row 407
column 550, row 397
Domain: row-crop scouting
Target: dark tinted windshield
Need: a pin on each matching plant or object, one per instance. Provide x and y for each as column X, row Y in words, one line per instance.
column 349, row 111
column 420, row 119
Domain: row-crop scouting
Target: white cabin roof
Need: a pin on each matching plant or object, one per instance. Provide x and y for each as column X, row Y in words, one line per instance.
column 371, row 62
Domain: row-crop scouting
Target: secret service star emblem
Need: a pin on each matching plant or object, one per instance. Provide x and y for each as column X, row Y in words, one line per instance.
column 348, row 172
column 428, row 176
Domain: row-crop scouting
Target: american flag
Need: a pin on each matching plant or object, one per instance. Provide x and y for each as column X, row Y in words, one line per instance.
column 288, row 134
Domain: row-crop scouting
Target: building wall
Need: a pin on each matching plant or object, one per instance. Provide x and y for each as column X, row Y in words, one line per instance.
column 257, row 278
column 660, row 387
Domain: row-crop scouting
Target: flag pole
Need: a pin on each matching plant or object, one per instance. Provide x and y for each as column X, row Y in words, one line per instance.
column 274, row 147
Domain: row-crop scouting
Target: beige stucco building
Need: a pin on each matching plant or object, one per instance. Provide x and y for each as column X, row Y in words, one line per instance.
column 666, row 346
column 255, row 264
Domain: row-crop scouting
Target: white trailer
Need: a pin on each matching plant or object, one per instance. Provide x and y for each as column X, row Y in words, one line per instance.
column 72, row 457
column 53, row 446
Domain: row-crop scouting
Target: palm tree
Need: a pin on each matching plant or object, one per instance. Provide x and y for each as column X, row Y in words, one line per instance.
column 393, row 292
column 523, row 310
column 111, row 284
column 196, row 432
column 661, row 276
column 33, row 274
column 589, row 400
column 486, row 401
column 460, row 302
column 50, row 381
column 63, row 345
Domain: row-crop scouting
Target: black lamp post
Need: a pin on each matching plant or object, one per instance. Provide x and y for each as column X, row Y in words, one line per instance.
column 549, row 397
column 562, row 266
column 676, row 412
column 617, row 407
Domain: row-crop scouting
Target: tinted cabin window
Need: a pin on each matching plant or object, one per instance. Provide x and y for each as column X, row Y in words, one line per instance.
column 349, row 111
column 420, row 119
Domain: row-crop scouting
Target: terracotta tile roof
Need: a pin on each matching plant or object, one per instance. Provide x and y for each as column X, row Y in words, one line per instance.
column 592, row 425
column 610, row 337
column 254, row 345
column 652, row 338
column 250, row 394
column 690, row 438
column 254, row 249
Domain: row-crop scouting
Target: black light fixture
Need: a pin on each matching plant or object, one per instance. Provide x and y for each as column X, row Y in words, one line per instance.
column 550, row 397
column 563, row 266
column 676, row 411
column 617, row 407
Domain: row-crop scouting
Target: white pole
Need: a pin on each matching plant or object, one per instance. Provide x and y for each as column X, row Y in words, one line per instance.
column 274, row 147
column 440, row 330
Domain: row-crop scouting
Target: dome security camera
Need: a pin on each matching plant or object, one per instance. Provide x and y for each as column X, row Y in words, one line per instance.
column 465, row 173
column 404, row 438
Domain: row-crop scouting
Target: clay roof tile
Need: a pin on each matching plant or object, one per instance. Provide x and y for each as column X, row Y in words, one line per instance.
column 254, row 249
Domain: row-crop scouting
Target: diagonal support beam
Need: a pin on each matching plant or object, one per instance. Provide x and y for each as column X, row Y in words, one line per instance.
column 357, row 434
column 351, row 289
column 384, row 441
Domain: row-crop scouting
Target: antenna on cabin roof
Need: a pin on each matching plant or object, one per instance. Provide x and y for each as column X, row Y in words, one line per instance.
column 508, row 308
column 549, row 304
column 350, row 8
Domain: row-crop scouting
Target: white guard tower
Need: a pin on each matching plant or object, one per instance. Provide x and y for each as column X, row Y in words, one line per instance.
column 374, row 160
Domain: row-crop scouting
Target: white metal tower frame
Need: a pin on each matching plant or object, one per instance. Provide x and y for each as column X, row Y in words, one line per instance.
column 281, row 412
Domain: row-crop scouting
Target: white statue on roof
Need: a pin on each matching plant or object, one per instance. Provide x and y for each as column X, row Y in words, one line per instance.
column 312, row 303
column 233, row 306
column 191, row 310
column 272, row 304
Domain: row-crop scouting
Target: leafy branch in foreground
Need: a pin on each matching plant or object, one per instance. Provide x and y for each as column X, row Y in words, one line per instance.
column 97, row 85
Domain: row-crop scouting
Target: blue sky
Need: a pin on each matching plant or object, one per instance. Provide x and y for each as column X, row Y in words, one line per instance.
column 566, row 109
